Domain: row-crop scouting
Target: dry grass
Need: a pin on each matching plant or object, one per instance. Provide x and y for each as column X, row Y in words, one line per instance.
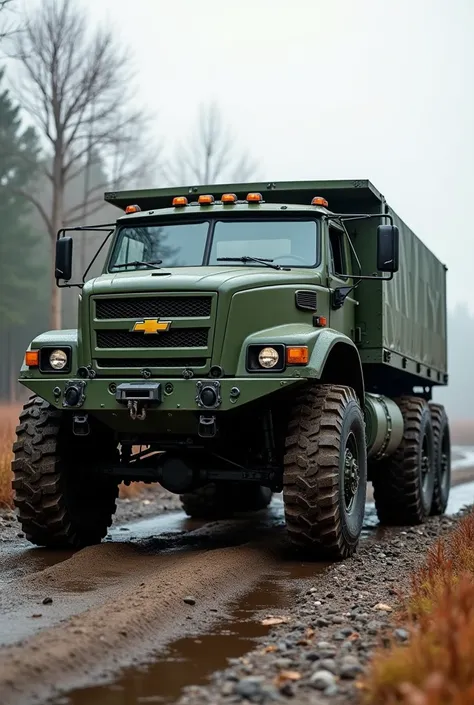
column 462, row 432
column 8, row 421
column 437, row 666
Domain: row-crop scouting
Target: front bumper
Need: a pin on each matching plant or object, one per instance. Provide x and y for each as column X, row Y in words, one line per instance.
column 99, row 394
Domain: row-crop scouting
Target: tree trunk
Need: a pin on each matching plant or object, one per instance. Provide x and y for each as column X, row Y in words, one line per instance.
column 55, row 313
column 57, row 216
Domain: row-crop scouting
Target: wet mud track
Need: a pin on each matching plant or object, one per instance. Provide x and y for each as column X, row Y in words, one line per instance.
column 125, row 603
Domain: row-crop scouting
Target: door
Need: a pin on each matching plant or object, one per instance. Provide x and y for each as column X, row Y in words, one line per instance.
column 339, row 264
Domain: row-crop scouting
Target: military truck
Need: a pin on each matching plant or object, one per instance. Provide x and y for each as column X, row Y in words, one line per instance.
column 242, row 340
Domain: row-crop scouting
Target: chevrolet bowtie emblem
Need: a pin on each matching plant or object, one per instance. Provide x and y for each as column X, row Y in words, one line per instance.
column 151, row 325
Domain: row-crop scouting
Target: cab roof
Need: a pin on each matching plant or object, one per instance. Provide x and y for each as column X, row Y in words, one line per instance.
column 342, row 195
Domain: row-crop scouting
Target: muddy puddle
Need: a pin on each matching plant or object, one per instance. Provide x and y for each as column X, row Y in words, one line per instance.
column 459, row 497
column 192, row 660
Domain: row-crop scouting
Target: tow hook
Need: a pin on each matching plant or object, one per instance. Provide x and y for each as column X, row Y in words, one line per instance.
column 207, row 426
column 138, row 396
column 135, row 411
column 80, row 425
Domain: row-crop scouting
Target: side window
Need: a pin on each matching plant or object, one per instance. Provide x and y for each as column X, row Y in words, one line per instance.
column 337, row 251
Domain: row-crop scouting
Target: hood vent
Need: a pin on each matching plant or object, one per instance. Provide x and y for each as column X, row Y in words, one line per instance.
column 306, row 300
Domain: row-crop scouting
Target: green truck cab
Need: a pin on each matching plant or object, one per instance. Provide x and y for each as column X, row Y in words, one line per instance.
column 243, row 340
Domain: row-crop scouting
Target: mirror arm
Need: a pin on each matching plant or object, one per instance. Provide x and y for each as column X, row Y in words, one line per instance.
column 95, row 257
column 105, row 227
column 379, row 277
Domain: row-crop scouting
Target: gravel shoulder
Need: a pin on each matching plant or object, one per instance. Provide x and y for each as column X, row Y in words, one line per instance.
column 325, row 643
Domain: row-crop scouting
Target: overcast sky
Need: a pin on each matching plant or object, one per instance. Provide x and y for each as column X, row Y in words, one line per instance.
column 377, row 89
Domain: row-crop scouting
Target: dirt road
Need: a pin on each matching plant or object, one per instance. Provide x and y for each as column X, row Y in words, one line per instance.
column 68, row 621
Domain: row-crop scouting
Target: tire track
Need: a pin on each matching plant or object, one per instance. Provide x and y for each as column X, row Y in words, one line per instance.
column 148, row 613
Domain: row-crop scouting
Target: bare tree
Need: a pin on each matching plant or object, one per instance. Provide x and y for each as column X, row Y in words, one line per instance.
column 210, row 155
column 77, row 87
column 5, row 29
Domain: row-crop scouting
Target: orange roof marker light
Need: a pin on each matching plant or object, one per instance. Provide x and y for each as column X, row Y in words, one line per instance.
column 32, row 358
column 179, row 201
column 206, row 200
column 229, row 198
column 319, row 201
column 254, row 197
column 132, row 209
column 297, row 355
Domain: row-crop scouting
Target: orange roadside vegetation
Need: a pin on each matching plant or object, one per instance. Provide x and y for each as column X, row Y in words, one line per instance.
column 436, row 666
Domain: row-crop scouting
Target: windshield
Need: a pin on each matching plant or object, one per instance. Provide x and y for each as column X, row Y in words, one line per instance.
column 180, row 245
column 286, row 242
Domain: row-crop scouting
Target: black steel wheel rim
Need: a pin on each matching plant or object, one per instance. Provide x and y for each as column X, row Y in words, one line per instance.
column 445, row 462
column 351, row 474
column 425, row 463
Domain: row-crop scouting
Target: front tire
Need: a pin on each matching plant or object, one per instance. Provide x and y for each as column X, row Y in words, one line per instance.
column 222, row 500
column 404, row 482
column 325, row 472
column 61, row 498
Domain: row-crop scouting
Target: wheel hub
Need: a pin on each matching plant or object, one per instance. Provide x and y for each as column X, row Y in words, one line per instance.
column 351, row 478
column 425, row 466
column 444, row 468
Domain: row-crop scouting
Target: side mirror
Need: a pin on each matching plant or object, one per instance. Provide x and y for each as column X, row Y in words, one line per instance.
column 387, row 248
column 63, row 264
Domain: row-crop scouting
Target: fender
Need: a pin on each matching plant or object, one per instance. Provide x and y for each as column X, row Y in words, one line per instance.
column 334, row 358
column 55, row 339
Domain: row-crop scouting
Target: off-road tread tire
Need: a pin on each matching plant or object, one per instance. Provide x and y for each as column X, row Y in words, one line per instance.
column 223, row 500
column 49, row 513
column 311, row 472
column 438, row 419
column 396, row 479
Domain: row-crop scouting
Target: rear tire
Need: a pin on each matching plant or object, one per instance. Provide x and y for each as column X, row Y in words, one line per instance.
column 222, row 500
column 325, row 472
column 442, row 452
column 404, row 483
column 61, row 498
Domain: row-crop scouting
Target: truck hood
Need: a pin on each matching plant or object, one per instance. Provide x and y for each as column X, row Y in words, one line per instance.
column 199, row 278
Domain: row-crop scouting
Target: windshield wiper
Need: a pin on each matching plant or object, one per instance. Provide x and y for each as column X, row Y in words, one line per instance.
column 152, row 264
column 259, row 260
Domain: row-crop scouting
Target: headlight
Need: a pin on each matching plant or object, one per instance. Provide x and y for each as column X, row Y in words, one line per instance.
column 268, row 357
column 58, row 359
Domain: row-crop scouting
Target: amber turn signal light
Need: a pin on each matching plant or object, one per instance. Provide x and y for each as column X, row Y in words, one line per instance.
column 229, row 198
column 319, row 201
column 297, row 355
column 180, row 201
column 206, row 200
column 32, row 358
column 254, row 197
